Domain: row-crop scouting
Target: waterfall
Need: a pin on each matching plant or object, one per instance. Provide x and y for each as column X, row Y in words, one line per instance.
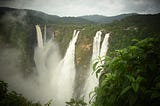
column 98, row 50
column 96, row 45
column 91, row 80
column 104, row 46
column 39, row 37
column 67, row 73
column 58, row 75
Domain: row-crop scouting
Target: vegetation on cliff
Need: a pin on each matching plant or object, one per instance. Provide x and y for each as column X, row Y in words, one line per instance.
column 131, row 76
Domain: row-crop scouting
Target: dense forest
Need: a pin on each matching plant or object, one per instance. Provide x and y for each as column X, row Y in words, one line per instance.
column 130, row 75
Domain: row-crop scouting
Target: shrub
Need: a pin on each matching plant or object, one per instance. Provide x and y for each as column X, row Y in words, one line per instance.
column 131, row 76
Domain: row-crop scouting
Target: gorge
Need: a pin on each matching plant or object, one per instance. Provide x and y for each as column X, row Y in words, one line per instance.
column 53, row 61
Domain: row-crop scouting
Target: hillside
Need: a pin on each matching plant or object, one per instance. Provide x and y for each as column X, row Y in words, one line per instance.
column 40, row 17
column 37, row 17
column 104, row 19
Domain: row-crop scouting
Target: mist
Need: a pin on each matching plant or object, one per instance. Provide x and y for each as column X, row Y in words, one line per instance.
column 14, row 17
column 50, row 75
column 36, row 87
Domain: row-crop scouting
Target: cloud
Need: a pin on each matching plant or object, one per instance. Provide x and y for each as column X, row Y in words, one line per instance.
column 142, row 6
column 81, row 7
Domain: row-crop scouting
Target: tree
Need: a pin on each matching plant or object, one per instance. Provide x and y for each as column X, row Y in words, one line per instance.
column 12, row 98
column 131, row 76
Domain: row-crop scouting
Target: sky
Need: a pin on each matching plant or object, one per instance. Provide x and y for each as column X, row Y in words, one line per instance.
column 86, row 7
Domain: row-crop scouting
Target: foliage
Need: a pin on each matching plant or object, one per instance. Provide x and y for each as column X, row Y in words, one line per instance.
column 131, row 77
column 74, row 102
column 12, row 98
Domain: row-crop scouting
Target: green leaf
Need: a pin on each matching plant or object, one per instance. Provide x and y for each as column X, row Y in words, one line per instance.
column 131, row 78
column 91, row 93
column 103, row 83
column 135, row 86
column 135, row 40
column 94, row 66
column 125, row 90
column 98, row 71
column 139, row 79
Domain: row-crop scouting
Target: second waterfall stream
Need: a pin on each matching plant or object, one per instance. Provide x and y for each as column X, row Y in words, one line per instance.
column 99, row 50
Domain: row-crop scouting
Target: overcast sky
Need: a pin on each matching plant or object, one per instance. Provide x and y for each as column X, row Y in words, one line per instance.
column 86, row 7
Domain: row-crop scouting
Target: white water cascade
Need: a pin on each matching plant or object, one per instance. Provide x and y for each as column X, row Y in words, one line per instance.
column 39, row 37
column 67, row 72
column 46, row 56
column 58, row 75
column 98, row 50
column 104, row 46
